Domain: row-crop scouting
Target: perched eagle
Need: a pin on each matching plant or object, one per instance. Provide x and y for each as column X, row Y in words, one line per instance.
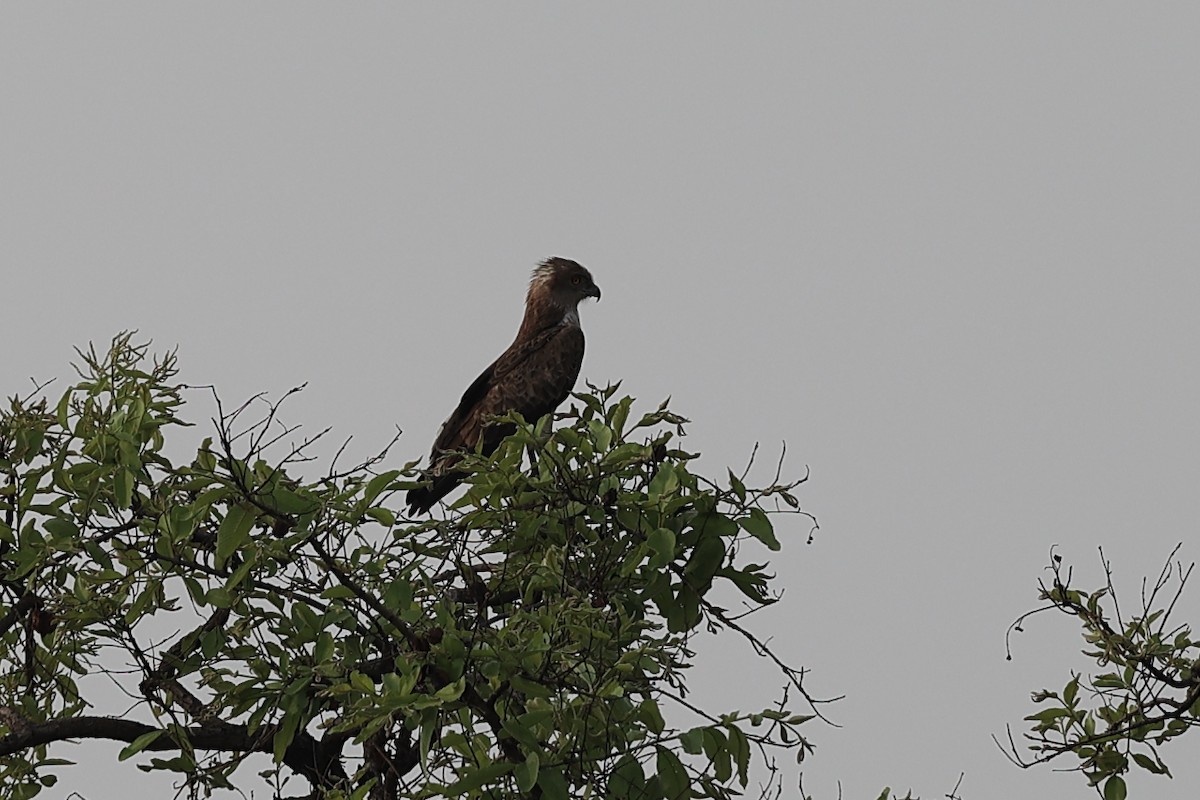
column 534, row 375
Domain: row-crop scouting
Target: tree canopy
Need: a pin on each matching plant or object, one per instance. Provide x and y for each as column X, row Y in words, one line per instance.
column 247, row 603
column 245, row 598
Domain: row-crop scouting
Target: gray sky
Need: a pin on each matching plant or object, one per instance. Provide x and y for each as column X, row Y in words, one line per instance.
column 945, row 250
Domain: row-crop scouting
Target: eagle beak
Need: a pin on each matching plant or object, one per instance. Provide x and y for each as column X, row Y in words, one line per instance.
column 593, row 291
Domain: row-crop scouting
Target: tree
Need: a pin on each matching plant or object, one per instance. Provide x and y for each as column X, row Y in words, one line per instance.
column 524, row 645
column 1147, row 694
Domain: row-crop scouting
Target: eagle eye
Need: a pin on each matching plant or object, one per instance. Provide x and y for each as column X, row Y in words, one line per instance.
column 576, row 280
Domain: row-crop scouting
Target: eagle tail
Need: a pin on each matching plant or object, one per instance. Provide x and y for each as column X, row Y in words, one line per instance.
column 423, row 498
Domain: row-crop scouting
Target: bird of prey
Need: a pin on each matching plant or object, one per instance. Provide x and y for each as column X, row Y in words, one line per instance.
column 533, row 376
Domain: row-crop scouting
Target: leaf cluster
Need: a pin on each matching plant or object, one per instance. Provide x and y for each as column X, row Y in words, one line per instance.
column 1145, row 694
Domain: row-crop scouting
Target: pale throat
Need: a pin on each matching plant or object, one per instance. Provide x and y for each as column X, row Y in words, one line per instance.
column 571, row 317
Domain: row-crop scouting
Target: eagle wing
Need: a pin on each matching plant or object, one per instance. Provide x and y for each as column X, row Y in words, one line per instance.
column 532, row 377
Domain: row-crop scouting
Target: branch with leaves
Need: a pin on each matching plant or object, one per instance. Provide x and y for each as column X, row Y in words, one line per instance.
column 523, row 643
column 1147, row 693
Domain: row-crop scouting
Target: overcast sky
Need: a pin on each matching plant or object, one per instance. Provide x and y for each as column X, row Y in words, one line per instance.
column 947, row 251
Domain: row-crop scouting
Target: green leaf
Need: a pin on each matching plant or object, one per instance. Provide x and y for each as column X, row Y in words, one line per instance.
column 283, row 737
column 662, row 542
column 362, row 682
column 664, row 482
column 737, row 486
column 758, row 525
column 179, row 523
column 750, row 581
column 627, row 780
column 428, row 725
column 1114, row 788
column 531, row 688
column 452, row 691
column 289, row 726
column 705, row 561
column 1070, row 691
column 554, row 786
column 521, row 733
column 240, row 573
column 620, row 413
column 672, row 775
column 123, row 482
column 684, row 613
column 206, row 460
column 625, row 453
column 307, row 623
column 61, row 410
column 1145, row 762
column 721, row 759
column 1048, row 715
column 527, row 773
column 61, row 529
column 234, row 531
column 651, row 717
column 715, row 524
column 478, row 777
column 219, row 597
column 692, row 741
column 324, row 648
column 141, row 603
column 378, row 484
column 740, row 747
column 601, row 434
column 139, row 744
column 286, row 501
column 383, row 516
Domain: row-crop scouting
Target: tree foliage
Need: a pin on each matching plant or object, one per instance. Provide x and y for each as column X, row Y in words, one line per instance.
column 1146, row 693
column 532, row 641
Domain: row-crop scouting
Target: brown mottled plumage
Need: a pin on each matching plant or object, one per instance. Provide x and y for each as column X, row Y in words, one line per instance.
column 534, row 375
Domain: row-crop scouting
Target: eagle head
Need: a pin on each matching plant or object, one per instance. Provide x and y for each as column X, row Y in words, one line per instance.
column 563, row 282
